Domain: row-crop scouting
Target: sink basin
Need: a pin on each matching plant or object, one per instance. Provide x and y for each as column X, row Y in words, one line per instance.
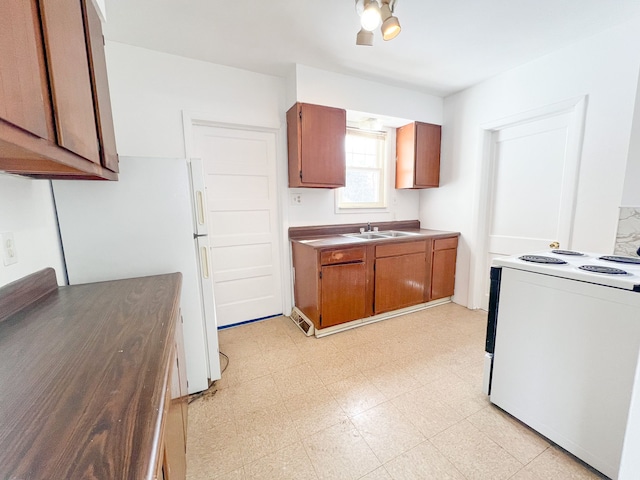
column 396, row 233
column 366, row 235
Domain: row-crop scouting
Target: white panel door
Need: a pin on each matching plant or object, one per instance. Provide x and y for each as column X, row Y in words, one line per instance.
column 242, row 211
column 532, row 187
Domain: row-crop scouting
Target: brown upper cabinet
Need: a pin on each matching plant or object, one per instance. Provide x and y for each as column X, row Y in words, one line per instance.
column 315, row 138
column 55, row 111
column 418, row 155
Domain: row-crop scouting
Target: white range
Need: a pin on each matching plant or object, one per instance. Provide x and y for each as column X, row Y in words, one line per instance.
column 563, row 340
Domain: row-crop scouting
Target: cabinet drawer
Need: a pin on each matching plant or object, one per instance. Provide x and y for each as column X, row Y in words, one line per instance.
column 445, row 243
column 404, row 248
column 343, row 255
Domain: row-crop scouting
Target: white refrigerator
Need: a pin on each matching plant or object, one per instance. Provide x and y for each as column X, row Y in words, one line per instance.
column 151, row 221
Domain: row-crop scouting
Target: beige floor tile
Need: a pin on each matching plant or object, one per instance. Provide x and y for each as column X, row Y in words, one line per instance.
column 253, row 394
column 314, row 411
column 339, row 452
column 387, row 431
column 296, row 380
column 426, row 411
column 333, row 368
column 422, row 462
column 464, row 397
column 367, row 355
column 287, row 464
column 474, row 454
column 265, row 431
column 392, row 379
column 555, row 463
column 278, row 359
column 517, row 439
column 378, row 474
column 206, row 461
column 356, row 394
column 269, row 407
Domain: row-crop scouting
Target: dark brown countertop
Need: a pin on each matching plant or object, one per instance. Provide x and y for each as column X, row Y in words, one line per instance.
column 331, row 236
column 84, row 372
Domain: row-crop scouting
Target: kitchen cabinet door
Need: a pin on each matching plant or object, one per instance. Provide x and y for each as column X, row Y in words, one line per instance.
column 343, row 293
column 50, row 90
column 65, row 45
column 443, row 267
column 24, row 87
column 315, row 138
column 400, row 281
column 418, row 155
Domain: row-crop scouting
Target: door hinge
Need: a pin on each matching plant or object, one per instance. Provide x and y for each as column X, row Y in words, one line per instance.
column 300, row 114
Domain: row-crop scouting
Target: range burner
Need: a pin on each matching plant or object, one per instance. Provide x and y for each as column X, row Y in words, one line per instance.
column 619, row 259
column 542, row 259
column 567, row 252
column 604, row 270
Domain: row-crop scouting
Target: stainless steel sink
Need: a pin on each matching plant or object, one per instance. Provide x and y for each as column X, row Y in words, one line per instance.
column 395, row 233
column 366, row 235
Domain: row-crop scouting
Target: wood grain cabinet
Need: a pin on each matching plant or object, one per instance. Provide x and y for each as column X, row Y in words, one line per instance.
column 55, row 111
column 330, row 285
column 443, row 270
column 401, row 275
column 315, row 139
column 418, row 155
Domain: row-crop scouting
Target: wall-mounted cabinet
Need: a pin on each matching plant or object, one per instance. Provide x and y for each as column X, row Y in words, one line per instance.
column 55, row 112
column 315, row 139
column 418, row 155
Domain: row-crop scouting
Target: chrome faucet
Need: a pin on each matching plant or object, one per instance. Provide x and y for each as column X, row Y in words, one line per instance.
column 368, row 226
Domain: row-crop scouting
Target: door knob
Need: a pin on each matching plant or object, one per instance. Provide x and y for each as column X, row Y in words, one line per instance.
column 554, row 245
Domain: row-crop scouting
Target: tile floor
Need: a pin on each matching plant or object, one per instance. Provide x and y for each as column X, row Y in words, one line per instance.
column 398, row 399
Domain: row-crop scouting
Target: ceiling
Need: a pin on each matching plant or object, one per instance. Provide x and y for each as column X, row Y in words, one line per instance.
column 444, row 46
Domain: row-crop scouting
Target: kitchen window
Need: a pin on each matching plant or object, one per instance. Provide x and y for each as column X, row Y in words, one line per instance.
column 365, row 175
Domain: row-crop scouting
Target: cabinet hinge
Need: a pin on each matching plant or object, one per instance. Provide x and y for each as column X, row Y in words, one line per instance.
column 321, row 275
column 300, row 175
column 300, row 114
column 320, row 319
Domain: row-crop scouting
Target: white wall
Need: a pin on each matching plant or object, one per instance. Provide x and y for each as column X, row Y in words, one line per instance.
column 27, row 212
column 149, row 91
column 631, row 193
column 603, row 67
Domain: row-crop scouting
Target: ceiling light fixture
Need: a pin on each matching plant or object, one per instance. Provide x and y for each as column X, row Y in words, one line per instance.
column 372, row 14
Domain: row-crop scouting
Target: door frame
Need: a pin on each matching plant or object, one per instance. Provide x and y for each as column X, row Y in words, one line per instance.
column 576, row 108
column 191, row 119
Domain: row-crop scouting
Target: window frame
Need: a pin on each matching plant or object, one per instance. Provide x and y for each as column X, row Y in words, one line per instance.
column 382, row 156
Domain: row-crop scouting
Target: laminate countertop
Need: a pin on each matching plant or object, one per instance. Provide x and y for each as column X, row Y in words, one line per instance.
column 84, row 371
column 329, row 236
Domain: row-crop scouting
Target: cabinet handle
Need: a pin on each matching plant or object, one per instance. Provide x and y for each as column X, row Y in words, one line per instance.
column 200, row 207
column 204, row 258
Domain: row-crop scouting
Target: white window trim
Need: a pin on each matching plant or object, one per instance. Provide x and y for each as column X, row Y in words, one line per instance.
column 383, row 205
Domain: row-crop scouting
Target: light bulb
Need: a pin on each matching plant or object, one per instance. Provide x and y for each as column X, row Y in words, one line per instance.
column 370, row 18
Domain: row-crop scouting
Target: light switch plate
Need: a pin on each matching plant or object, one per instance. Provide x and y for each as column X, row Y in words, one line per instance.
column 9, row 253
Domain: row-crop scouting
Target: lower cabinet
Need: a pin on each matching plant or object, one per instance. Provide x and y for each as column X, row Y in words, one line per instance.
column 338, row 285
column 443, row 270
column 400, row 275
column 343, row 293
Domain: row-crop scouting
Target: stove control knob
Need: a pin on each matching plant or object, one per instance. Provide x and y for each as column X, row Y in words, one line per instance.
column 554, row 245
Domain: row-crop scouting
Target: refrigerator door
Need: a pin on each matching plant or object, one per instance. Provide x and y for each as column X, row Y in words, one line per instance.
column 208, row 306
column 199, row 197
column 140, row 225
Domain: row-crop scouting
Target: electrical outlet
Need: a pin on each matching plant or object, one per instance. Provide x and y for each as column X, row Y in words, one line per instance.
column 9, row 253
column 296, row 199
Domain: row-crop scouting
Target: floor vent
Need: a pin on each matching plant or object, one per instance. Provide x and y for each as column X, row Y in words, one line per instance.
column 302, row 322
